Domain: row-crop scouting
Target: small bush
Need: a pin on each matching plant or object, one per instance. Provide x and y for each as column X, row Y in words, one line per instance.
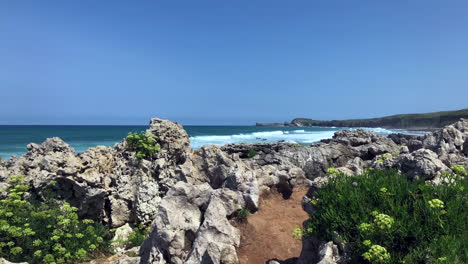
column 49, row 232
column 252, row 153
column 459, row 170
column 144, row 144
column 332, row 171
column 242, row 214
column 386, row 218
column 298, row 146
column 297, row 233
column 384, row 157
column 137, row 237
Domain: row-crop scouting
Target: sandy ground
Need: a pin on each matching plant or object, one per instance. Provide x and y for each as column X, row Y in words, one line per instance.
column 267, row 234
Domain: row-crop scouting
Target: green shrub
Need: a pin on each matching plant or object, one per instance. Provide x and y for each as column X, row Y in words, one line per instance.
column 386, row 218
column 134, row 239
column 242, row 214
column 48, row 232
column 459, row 170
column 332, row 171
column 252, row 153
column 298, row 146
column 137, row 237
column 384, row 157
column 144, row 144
column 297, row 233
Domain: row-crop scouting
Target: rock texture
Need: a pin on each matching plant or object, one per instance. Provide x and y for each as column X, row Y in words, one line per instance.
column 189, row 197
column 106, row 184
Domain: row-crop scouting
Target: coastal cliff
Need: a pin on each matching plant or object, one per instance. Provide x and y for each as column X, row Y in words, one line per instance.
column 426, row 121
column 189, row 198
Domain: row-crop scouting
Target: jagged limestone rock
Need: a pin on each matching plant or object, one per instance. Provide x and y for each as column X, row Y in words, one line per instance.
column 188, row 196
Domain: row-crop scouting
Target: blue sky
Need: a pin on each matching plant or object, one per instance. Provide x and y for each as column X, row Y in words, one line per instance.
column 229, row 62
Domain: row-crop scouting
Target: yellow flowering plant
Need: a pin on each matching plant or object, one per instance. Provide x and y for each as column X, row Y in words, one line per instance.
column 382, row 216
column 44, row 232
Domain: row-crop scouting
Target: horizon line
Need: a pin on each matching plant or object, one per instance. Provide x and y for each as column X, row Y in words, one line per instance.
column 122, row 125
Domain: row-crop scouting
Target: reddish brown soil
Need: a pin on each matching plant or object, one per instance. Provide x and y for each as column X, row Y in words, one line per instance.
column 267, row 234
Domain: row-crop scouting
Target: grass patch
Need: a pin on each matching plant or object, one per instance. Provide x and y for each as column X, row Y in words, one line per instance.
column 386, row 218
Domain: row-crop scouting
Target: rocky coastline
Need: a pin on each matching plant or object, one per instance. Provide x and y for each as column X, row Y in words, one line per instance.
column 189, row 198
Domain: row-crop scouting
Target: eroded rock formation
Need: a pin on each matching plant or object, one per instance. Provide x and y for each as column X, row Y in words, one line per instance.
column 189, row 196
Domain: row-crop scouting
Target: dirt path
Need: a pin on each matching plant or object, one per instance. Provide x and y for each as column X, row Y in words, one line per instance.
column 267, row 234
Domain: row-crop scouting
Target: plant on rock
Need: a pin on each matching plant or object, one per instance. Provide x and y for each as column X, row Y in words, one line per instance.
column 137, row 237
column 387, row 218
column 332, row 171
column 144, row 144
column 45, row 233
column 242, row 214
column 252, row 153
column 459, row 170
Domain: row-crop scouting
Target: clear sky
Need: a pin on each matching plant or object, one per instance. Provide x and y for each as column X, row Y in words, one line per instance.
column 229, row 62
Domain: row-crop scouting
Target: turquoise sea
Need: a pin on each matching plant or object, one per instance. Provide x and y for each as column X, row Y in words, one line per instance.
column 13, row 139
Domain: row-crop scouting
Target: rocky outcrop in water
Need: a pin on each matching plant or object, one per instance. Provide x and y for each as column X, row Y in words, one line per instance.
column 189, row 197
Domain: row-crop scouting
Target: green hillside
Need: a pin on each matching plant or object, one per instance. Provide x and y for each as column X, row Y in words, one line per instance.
column 406, row 121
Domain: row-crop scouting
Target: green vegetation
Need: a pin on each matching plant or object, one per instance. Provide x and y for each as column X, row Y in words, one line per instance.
column 332, row 171
column 384, row 157
column 459, row 170
column 297, row 233
column 242, row 214
column 48, row 232
column 299, row 146
column 137, row 237
column 383, row 217
column 415, row 121
column 144, row 144
column 252, row 153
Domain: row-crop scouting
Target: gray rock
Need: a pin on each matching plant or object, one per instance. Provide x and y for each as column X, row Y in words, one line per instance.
column 216, row 239
column 188, row 196
column 124, row 259
column 422, row 164
column 220, row 170
column 101, row 176
column 328, row 253
column 4, row 261
column 449, row 142
column 191, row 225
column 175, row 226
column 172, row 137
column 121, row 236
column 273, row 262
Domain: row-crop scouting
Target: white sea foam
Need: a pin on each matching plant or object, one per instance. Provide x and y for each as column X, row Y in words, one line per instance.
column 300, row 136
column 297, row 136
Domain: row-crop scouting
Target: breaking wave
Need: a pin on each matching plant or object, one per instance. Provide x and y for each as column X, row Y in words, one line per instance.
column 300, row 136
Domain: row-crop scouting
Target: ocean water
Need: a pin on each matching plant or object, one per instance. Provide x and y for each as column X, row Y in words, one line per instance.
column 13, row 139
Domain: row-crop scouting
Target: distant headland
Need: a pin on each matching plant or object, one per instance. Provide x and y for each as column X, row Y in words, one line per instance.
column 425, row 121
